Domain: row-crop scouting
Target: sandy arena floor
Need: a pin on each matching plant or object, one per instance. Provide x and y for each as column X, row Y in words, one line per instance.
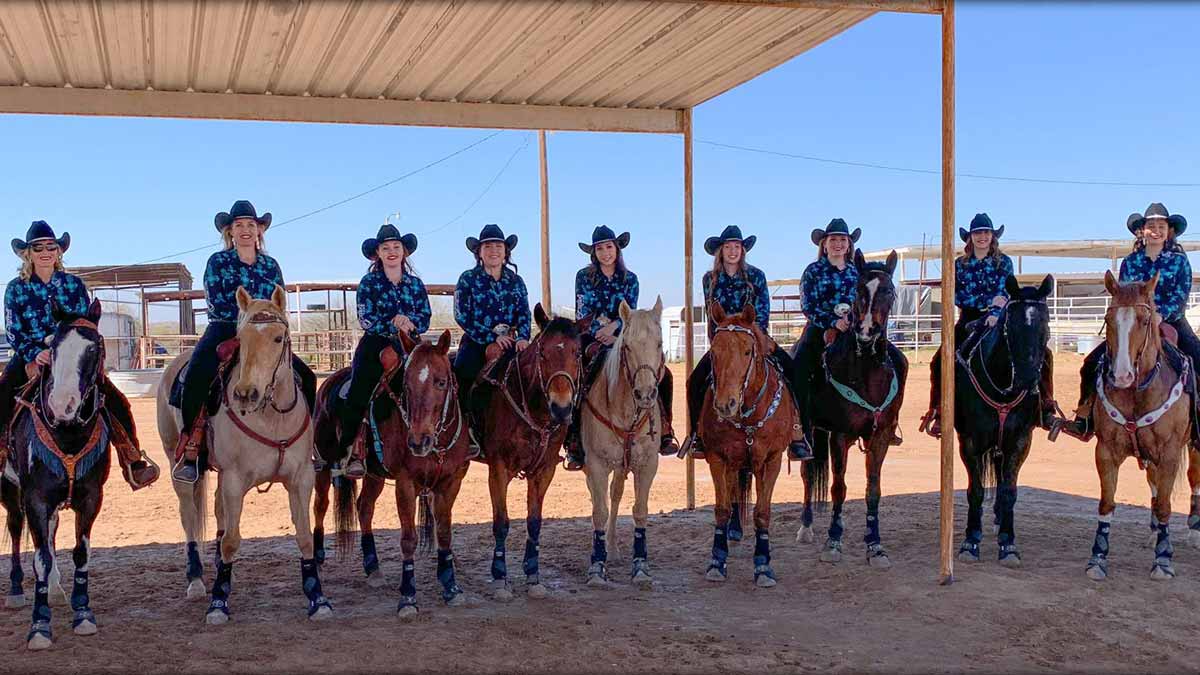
column 847, row 617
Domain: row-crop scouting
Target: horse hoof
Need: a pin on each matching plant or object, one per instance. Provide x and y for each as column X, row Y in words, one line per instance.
column 880, row 561
column 764, row 581
column 1097, row 573
column 643, row 580
column 968, row 557
column 538, row 591
column 501, row 591
column 376, row 579
column 323, row 612
column 216, row 618
column 38, row 642
column 14, row 601
column 805, row 535
column 1193, row 538
column 735, row 536
column 86, row 628
column 1011, row 561
column 196, row 590
column 594, row 581
column 831, row 555
column 407, row 613
column 1162, row 572
column 714, row 575
column 459, row 600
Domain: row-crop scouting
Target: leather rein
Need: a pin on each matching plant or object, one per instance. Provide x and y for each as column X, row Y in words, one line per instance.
column 400, row 400
column 740, row 423
column 641, row 417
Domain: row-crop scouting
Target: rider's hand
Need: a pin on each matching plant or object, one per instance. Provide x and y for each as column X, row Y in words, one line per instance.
column 522, row 344
column 842, row 324
column 504, row 341
column 999, row 301
column 43, row 357
column 991, row 320
column 605, row 338
column 403, row 323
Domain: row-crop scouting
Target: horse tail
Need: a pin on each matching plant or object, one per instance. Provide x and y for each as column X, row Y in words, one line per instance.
column 744, row 476
column 343, row 513
column 816, row 471
column 426, row 522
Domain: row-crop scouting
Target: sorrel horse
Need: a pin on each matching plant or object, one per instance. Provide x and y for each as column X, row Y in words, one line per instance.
column 420, row 440
column 527, row 406
column 261, row 433
column 746, row 423
column 997, row 405
column 857, row 398
column 1141, row 411
column 621, row 425
column 59, row 459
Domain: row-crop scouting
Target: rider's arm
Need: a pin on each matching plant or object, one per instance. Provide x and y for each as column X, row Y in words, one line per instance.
column 1176, row 284
column 370, row 310
column 762, row 300
column 521, row 320
column 15, row 329
column 465, row 314
column 420, row 312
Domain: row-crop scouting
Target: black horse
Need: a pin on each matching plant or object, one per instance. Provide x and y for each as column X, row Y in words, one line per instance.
column 857, row 396
column 59, row 459
column 996, row 406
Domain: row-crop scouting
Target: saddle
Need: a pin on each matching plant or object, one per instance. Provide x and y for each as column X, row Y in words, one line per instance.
column 227, row 353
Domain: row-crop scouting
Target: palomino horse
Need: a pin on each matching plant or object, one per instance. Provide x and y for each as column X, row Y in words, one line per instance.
column 621, row 427
column 424, row 446
column 261, row 433
column 746, row 423
column 524, row 421
column 857, row 397
column 1141, row 411
column 59, row 459
column 997, row 405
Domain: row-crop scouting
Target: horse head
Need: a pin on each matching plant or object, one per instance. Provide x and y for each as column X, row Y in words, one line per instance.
column 265, row 348
column 1131, row 330
column 76, row 360
column 737, row 346
column 556, row 361
column 428, row 391
column 874, row 298
column 639, row 354
column 1026, row 328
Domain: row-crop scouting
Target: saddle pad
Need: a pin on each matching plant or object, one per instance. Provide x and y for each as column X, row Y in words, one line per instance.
column 343, row 391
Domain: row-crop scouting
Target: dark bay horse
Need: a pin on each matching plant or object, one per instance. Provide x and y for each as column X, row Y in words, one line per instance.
column 59, row 459
column 746, row 423
column 996, row 407
column 857, row 397
column 526, row 405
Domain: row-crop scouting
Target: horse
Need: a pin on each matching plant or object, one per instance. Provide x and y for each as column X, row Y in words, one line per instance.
column 997, row 405
column 527, row 404
column 858, row 397
column 621, row 427
column 1138, row 414
column 746, row 424
column 260, row 433
column 421, row 442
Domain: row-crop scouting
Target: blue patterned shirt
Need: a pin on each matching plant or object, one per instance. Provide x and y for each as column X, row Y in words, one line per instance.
column 28, row 307
column 732, row 293
column 823, row 287
column 379, row 301
column 481, row 303
column 603, row 296
column 978, row 280
column 1174, row 279
column 226, row 271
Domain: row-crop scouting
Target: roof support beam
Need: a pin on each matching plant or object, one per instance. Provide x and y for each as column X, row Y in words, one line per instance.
column 79, row 101
column 907, row 6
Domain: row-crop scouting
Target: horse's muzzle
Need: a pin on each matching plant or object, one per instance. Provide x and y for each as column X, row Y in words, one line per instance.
column 645, row 398
column 727, row 409
column 561, row 413
column 420, row 445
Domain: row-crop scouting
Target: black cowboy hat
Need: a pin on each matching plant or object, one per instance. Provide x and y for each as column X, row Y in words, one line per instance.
column 836, row 226
column 40, row 231
column 731, row 233
column 491, row 232
column 1157, row 210
column 387, row 233
column 602, row 234
column 981, row 222
column 1134, row 222
column 240, row 209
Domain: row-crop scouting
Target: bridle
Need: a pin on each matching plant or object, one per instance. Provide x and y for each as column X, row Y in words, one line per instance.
column 641, row 416
column 522, row 408
column 93, row 389
column 401, row 402
column 746, row 412
column 855, row 317
column 1142, row 384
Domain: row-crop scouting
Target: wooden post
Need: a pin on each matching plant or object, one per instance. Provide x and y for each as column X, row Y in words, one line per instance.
column 545, row 223
column 688, row 319
column 947, row 483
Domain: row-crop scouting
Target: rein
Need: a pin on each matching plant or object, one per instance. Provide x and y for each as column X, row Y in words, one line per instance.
column 46, row 436
column 640, row 418
column 751, row 429
column 401, row 402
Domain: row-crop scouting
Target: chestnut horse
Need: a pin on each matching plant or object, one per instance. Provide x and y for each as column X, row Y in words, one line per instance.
column 1141, row 411
column 526, row 406
column 746, row 423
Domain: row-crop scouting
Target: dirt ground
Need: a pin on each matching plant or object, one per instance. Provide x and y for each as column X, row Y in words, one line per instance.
column 847, row 617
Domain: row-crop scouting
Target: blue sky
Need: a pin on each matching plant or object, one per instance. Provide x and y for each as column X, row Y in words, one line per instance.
column 1072, row 90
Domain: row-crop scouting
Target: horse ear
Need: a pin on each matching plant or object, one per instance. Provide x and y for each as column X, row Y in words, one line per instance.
column 717, row 312
column 1012, row 286
column 892, row 260
column 583, row 324
column 657, row 310
column 1110, row 282
column 56, row 312
column 749, row 313
column 94, row 311
column 443, row 343
column 859, row 260
column 279, row 298
column 539, row 315
column 407, row 341
column 1148, row 289
column 243, row 298
column 1047, row 287
column 623, row 312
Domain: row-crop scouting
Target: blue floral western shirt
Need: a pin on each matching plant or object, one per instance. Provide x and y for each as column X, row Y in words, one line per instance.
column 1174, row 279
column 732, row 293
column 602, row 296
column 28, row 308
column 481, row 303
column 823, row 287
column 380, row 301
column 226, row 271
column 978, row 280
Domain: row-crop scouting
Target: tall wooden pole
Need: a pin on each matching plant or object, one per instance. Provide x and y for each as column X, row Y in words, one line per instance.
column 688, row 320
column 947, row 487
column 545, row 223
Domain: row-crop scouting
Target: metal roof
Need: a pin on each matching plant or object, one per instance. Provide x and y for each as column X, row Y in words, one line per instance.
column 619, row 65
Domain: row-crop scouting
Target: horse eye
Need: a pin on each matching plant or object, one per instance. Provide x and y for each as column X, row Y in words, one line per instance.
column 279, row 340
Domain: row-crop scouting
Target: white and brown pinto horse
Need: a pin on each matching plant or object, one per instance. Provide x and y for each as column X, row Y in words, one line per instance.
column 261, row 433
column 621, row 426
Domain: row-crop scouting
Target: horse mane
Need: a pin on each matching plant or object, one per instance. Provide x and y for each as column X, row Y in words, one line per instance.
column 612, row 362
column 876, row 266
column 563, row 326
column 1128, row 293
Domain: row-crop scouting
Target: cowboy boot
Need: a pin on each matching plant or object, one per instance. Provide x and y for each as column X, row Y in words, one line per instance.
column 137, row 469
column 573, row 444
column 668, row 445
column 187, row 454
column 355, row 466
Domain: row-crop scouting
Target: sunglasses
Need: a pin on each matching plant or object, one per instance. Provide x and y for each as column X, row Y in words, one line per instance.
column 38, row 248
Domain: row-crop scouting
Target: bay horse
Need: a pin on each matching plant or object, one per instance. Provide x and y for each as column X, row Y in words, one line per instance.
column 621, row 426
column 857, row 398
column 59, row 459
column 1138, row 413
column 746, row 424
column 424, row 446
column 997, row 405
column 260, row 433
column 525, row 409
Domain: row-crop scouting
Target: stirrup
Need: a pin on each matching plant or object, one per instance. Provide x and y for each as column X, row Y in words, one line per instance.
column 1080, row 428
column 931, row 423
column 573, row 462
column 186, row 471
column 151, row 472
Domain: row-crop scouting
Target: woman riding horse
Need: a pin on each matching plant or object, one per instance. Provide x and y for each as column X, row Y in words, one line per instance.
column 29, row 301
column 1155, row 250
column 491, row 305
column 242, row 263
column 391, row 300
column 599, row 289
column 979, row 293
column 733, row 283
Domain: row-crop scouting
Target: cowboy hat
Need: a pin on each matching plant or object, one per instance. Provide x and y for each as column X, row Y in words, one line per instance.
column 40, row 231
column 731, row 233
column 1157, row 210
column 388, row 232
column 240, row 209
column 836, row 226
column 491, row 232
column 981, row 222
column 602, row 234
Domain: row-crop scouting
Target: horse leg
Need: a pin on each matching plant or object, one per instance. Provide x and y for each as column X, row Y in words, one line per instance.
column 721, row 510
column 597, row 481
column 191, row 515
column 37, row 517
column 10, row 495
column 1163, row 550
column 1193, row 476
column 443, row 505
column 219, row 516
column 1107, row 467
column 876, row 453
column 839, row 448
column 538, row 485
column 58, row 596
column 86, row 504
column 1006, row 495
column 1152, row 481
column 231, row 495
column 764, row 484
column 643, row 478
column 973, row 460
column 300, row 489
column 615, row 493
column 498, row 480
column 737, row 505
column 324, row 479
column 406, row 509
column 372, row 487
column 805, row 533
